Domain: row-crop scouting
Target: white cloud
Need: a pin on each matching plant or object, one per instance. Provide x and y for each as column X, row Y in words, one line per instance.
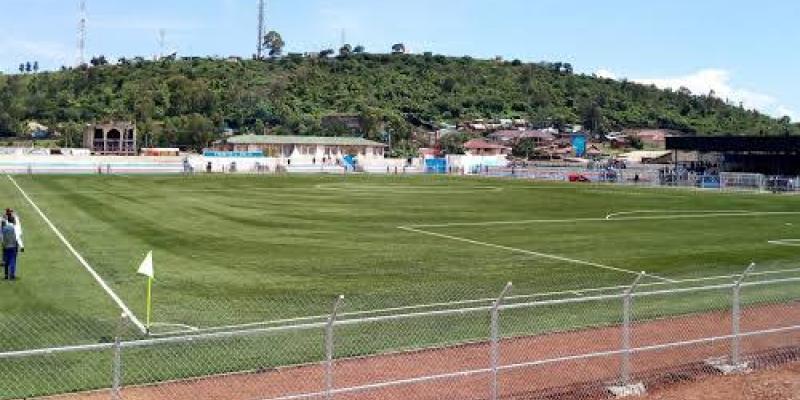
column 719, row 81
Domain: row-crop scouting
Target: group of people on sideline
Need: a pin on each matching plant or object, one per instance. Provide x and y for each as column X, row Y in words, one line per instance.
column 11, row 233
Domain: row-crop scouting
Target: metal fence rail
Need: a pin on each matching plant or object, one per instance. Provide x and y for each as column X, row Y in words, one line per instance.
column 591, row 344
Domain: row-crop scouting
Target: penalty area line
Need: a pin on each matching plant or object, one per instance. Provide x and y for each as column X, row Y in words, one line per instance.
column 82, row 261
column 679, row 213
column 785, row 242
column 614, row 217
column 530, row 252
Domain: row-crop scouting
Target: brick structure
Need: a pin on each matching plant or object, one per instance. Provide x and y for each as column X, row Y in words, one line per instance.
column 111, row 139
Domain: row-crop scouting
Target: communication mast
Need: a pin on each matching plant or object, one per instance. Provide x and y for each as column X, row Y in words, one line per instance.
column 162, row 42
column 82, row 34
column 261, row 17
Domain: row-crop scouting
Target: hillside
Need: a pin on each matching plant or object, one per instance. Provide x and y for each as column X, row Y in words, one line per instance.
column 188, row 102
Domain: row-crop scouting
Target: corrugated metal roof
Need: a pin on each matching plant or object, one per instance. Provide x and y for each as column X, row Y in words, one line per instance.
column 306, row 140
column 482, row 144
column 517, row 134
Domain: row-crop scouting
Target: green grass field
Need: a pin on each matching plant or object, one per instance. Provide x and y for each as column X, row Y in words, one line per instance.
column 234, row 250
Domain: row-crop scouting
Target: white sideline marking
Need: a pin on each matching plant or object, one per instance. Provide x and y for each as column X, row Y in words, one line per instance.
column 640, row 218
column 529, row 252
column 686, row 212
column 786, row 242
column 83, row 262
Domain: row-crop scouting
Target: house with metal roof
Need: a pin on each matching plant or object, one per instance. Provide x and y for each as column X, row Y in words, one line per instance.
column 540, row 137
column 480, row 147
column 307, row 149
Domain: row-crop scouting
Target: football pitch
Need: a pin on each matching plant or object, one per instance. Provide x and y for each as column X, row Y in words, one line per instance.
column 233, row 250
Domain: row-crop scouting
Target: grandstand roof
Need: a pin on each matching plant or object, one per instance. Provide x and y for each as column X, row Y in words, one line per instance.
column 767, row 144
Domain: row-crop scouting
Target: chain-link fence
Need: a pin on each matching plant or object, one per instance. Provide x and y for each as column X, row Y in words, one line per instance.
column 579, row 344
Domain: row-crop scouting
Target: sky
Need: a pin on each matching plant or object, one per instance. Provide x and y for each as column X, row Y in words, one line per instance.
column 744, row 50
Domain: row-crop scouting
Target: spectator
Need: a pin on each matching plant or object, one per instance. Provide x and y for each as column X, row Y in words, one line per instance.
column 12, row 245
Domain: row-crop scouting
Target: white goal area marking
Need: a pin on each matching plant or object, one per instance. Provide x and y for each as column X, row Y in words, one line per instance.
column 616, row 217
column 530, row 252
column 611, row 217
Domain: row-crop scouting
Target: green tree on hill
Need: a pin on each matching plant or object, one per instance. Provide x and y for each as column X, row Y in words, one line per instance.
column 273, row 41
column 292, row 94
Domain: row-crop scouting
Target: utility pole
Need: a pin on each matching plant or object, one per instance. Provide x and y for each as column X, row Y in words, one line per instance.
column 162, row 42
column 82, row 34
column 261, row 16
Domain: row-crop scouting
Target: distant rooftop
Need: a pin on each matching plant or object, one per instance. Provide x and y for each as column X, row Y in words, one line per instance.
column 522, row 134
column 476, row 144
column 306, row 140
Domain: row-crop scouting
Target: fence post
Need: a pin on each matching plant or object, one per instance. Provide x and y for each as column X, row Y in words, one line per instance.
column 116, row 369
column 495, row 339
column 627, row 305
column 329, row 347
column 736, row 317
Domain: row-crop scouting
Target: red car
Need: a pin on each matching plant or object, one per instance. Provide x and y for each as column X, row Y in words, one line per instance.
column 578, row 178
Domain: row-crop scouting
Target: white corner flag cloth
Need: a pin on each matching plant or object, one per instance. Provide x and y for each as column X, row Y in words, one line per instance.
column 146, row 268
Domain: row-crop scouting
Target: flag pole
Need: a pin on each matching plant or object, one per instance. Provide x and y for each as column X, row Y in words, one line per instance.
column 149, row 301
column 146, row 269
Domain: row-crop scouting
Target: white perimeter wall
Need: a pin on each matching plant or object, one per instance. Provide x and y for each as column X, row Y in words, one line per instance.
column 83, row 164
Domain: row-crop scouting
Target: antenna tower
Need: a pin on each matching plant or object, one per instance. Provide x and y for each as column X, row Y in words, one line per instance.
column 82, row 34
column 162, row 42
column 261, row 17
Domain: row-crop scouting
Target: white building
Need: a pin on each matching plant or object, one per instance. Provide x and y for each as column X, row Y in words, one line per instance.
column 309, row 149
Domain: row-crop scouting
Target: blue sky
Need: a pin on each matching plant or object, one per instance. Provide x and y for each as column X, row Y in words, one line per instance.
column 745, row 51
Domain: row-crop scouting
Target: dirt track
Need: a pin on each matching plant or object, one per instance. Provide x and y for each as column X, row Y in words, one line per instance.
column 580, row 379
column 778, row 384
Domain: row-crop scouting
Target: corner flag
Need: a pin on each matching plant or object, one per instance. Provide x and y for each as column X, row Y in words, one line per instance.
column 146, row 269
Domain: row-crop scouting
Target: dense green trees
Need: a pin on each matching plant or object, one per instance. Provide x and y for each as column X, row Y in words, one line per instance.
column 188, row 102
column 274, row 42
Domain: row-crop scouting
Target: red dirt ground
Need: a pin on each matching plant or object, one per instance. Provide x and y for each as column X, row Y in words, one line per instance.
column 579, row 379
column 778, row 384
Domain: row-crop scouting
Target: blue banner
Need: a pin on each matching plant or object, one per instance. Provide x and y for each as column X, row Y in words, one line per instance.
column 436, row 165
column 579, row 145
column 233, row 154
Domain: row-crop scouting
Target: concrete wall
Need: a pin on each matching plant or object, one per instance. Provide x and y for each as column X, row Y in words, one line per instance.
column 20, row 163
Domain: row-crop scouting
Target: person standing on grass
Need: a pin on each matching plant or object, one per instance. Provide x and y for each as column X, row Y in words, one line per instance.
column 12, row 245
column 12, row 217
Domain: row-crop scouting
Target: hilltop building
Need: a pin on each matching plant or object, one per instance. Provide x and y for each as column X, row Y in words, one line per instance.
column 111, row 139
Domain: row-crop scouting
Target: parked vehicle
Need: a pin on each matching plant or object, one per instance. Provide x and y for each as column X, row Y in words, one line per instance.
column 578, row 178
column 780, row 184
